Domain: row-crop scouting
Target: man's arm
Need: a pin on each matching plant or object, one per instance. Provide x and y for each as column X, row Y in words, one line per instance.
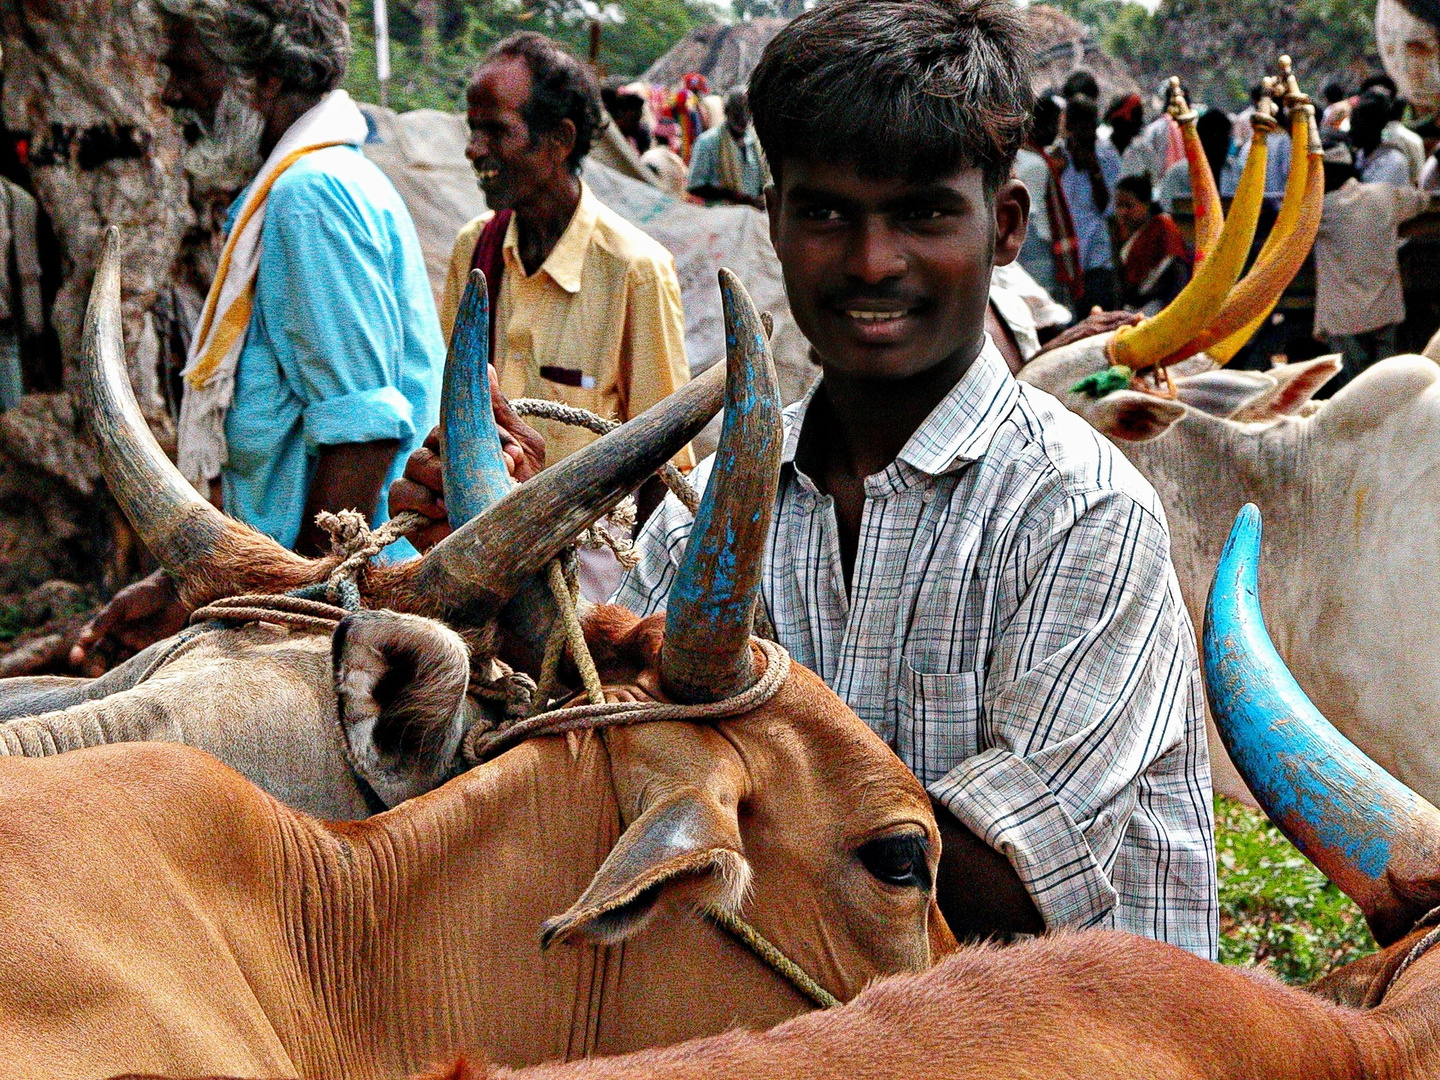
column 1092, row 681
column 348, row 476
column 979, row 892
column 652, row 357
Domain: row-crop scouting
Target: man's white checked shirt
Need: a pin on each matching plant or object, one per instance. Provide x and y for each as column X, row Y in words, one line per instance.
column 1016, row 634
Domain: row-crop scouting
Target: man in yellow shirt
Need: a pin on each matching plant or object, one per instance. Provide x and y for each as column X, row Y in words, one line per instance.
column 588, row 308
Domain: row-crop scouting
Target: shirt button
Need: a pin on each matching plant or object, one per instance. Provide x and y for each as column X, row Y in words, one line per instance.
column 928, row 495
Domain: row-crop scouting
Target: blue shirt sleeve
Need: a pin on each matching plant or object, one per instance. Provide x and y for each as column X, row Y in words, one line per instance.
column 705, row 161
column 334, row 319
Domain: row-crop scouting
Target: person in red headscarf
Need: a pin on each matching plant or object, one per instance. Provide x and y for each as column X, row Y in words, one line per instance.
column 1154, row 262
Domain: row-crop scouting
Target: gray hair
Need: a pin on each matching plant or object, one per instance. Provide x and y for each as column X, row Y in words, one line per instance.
column 306, row 43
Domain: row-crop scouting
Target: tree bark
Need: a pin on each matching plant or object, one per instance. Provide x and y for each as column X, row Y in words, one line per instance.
column 82, row 84
column 429, row 15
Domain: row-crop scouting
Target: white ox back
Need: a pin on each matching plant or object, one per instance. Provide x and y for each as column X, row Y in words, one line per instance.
column 1349, row 490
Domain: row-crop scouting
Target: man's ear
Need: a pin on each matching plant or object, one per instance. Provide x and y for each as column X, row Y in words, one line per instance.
column 400, row 684
column 688, row 839
column 562, row 140
column 1012, row 218
column 1130, row 416
column 772, row 211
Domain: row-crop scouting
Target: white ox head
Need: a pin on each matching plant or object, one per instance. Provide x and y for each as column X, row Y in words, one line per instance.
column 1123, row 382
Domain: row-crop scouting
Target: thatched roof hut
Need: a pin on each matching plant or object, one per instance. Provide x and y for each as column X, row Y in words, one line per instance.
column 1063, row 44
column 726, row 53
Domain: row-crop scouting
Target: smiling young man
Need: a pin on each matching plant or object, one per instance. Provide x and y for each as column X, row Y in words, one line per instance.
column 984, row 579
column 585, row 308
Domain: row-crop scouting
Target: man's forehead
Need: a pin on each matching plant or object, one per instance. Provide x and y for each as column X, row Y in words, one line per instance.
column 503, row 82
column 808, row 178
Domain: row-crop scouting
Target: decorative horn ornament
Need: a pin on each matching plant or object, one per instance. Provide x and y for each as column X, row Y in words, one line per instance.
column 470, row 459
column 1205, row 196
column 187, row 535
column 469, row 575
column 1152, row 340
column 705, row 655
column 1370, row 834
column 1290, row 241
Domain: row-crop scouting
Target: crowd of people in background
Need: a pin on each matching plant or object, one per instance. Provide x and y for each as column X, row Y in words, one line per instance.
column 1107, row 188
column 700, row 146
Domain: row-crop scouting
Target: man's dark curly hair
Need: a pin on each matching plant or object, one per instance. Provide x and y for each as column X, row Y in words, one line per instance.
column 913, row 88
column 306, row 43
column 561, row 88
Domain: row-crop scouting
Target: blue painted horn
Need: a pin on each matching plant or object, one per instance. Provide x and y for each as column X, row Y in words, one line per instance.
column 1370, row 834
column 705, row 655
column 470, row 458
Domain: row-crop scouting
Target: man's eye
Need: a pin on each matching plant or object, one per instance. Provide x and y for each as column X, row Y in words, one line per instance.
column 820, row 213
column 924, row 215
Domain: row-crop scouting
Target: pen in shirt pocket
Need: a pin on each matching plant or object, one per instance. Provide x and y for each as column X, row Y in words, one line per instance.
column 567, row 377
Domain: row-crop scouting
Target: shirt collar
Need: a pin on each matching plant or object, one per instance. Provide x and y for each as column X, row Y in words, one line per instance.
column 566, row 262
column 958, row 430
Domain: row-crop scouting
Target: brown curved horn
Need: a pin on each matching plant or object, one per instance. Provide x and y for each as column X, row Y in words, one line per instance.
column 469, row 576
column 705, row 655
column 181, row 529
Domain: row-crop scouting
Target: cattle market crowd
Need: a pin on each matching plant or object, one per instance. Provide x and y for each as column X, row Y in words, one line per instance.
column 509, row 699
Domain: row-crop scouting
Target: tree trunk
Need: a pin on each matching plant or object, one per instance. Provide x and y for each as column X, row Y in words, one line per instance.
column 429, row 14
column 82, row 83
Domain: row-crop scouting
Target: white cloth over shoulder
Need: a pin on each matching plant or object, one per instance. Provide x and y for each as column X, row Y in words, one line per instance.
column 220, row 339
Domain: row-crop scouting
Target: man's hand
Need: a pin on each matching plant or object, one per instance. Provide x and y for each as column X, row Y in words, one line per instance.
column 138, row 615
column 422, row 488
column 1097, row 322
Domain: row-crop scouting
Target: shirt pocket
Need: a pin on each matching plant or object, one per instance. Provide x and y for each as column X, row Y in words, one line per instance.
column 938, row 721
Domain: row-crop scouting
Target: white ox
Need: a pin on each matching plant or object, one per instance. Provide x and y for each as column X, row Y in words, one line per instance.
column 1350, row 493
column 1349, row 488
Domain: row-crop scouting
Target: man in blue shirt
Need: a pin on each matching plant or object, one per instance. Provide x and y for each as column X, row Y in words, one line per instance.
column 336, row 372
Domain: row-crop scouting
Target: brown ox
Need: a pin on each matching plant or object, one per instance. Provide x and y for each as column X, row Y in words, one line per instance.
column 1108, row 1006
column 295, row 712
column 159, row 913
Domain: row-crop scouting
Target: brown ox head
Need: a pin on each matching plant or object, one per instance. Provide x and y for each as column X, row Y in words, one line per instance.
column 1370, row 834
column 1115, row 380
column 795, row 803
column 787, row 810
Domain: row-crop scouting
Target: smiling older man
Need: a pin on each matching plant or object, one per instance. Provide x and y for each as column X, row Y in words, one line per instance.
column 316, row 365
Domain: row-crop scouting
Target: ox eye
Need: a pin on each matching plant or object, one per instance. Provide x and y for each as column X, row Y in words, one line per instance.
column 898, row 860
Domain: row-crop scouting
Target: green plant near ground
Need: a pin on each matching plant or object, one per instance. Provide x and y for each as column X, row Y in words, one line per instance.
column 1277, row 911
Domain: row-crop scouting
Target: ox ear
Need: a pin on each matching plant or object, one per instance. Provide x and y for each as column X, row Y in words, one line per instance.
column 400, row 684
column 1222, row 393
column 687, row 840
column 1295, row 385
column 1130, row 416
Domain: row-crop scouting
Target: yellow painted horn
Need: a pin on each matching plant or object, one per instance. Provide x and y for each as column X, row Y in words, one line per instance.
column 1204, row 196
column 1253, row 300
column 1148, row 343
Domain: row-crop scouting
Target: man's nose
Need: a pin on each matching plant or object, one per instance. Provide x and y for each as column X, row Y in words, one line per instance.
column 875, row 253
column 477, row 147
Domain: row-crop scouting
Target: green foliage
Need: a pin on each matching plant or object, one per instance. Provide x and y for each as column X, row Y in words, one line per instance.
column 429, row 70
column 768, row 9
column 1222, row 47
column 1277, row 911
